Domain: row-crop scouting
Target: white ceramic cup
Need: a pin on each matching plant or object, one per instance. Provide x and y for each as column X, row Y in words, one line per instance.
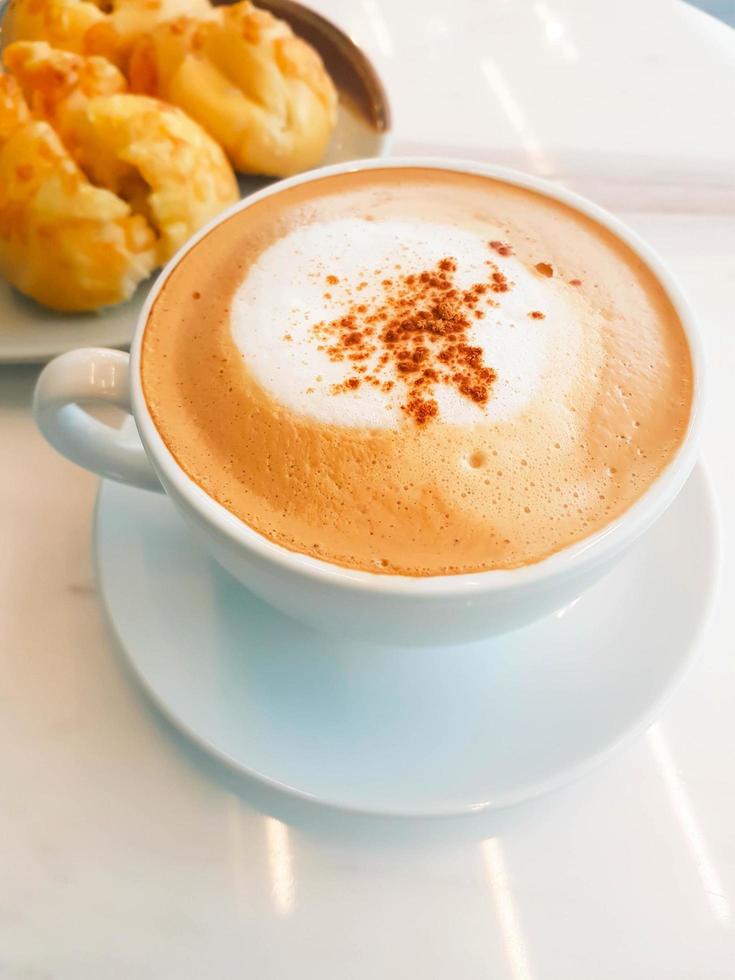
column 382, row 608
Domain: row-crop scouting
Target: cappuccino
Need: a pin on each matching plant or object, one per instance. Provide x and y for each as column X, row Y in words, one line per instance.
column 417, row 372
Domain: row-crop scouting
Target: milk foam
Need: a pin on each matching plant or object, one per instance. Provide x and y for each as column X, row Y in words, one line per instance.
column 286, row 293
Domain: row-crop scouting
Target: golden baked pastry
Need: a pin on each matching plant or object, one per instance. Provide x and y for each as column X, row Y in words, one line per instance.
column 156, row 176
column 147, row 152
column 262, row 92
column 105, row 27
column 63, row 241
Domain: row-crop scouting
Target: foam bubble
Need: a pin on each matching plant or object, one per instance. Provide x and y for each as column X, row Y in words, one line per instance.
column 289, row 289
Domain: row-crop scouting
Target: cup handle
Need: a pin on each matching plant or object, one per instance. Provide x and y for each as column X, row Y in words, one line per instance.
column 92, row 376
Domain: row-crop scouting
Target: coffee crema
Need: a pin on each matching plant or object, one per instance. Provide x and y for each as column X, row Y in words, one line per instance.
column 418, row 372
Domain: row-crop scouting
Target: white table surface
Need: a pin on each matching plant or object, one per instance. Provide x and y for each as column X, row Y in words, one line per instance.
column 124, row 853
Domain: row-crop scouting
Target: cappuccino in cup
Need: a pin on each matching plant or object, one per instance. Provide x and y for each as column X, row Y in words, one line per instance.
column 417, row 372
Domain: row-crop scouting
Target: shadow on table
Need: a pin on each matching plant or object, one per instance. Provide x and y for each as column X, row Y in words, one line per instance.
column 17, row 382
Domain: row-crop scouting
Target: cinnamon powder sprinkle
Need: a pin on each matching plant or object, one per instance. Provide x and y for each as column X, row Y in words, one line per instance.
column 537, row 315
column 575, row 282
column 351, row 384
column 502, row 248
column 416, row 335
column 544, row 269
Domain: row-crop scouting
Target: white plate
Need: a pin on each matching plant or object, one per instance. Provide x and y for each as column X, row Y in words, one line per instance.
column 31, row 333
column 395, row 731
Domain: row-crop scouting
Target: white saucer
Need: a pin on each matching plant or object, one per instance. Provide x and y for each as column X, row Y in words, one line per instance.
column 395, row 731
column 30, row 333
